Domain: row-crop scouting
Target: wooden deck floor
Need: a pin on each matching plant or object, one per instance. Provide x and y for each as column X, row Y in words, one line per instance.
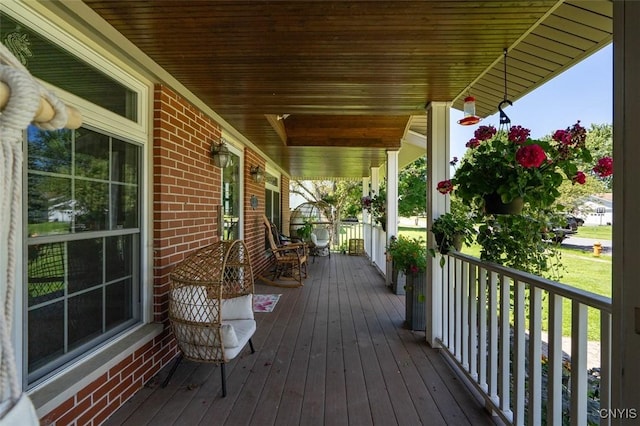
column 333, row 352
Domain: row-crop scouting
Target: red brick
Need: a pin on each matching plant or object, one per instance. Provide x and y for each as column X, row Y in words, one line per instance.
column 57, row 412
column 77, row 410
column 92, row 387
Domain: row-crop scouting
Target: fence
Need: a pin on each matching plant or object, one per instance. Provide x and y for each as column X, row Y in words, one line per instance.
column 492, row 329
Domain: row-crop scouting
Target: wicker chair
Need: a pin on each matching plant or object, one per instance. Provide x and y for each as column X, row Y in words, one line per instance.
column 211, row 305
column 290, row 259
column 320, row 241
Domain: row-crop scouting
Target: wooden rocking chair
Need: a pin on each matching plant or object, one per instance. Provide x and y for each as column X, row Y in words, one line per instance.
column 290, row 258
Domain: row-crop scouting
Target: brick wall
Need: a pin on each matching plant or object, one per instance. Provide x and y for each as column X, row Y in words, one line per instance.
column 186, row 187
column 254, row 230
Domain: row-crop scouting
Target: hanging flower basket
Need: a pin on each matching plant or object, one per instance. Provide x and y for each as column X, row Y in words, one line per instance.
column 493, row 205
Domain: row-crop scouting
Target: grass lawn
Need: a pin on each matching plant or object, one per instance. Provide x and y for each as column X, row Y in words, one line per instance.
column 597, row 232
column 581, row 270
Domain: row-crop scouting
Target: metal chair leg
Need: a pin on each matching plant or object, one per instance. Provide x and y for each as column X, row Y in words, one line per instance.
column 173, row 370
column 224, row 380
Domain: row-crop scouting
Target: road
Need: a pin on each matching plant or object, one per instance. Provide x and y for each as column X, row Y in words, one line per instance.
column 587, row 244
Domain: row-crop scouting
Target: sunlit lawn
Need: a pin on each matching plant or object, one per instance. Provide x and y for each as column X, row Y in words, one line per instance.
column 581, row 270
column 596, row 232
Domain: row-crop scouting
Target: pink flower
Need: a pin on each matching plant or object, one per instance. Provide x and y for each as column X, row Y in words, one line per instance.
column 413, row 269
column 580, row 178
column 473, row 143
column 518, row 134
column 530, row 156
column 445, row 187
column 604, row 167
column 484, row 133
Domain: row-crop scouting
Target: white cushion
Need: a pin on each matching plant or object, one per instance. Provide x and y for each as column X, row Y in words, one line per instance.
column 229, row 336
column 191, row 303
column 244, row 329
column 238, row 308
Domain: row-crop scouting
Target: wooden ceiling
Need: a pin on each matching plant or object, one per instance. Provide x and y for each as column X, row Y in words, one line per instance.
column 324, row 88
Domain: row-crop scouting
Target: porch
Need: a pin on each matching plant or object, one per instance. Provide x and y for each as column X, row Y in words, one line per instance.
column 332, row 352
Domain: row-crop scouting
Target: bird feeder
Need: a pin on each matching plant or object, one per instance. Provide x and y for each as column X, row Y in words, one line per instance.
column 470, row 116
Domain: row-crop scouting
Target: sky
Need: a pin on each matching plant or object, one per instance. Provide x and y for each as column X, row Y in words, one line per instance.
column 583, row 92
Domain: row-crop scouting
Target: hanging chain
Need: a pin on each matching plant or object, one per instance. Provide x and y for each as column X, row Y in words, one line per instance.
column 504, row 119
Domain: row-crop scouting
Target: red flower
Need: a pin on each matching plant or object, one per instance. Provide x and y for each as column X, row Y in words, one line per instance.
column 530, row 156
column 518, row 134
column 580, row 178
column 484, row 133
column 413, row 269
column 473, row 143
column 604, row 167
column 562, row 136
column 445, row 187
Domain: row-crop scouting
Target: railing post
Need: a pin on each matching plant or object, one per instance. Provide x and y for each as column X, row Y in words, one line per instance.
column 493, row 337
column 535, row 372
column 605, row 364
column 519, row 306
column 554, row 362
column 578, row 364
column 482, row 330
column 473, row 322
column 505, row 346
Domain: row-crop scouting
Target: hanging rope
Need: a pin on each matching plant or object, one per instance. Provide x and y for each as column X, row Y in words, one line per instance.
column 25, row 103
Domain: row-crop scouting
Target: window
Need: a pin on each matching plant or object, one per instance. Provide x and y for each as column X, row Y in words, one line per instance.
column 83, row 243
column 272, row 205
column 64, row 70
column 83, row 215
column 231, row 198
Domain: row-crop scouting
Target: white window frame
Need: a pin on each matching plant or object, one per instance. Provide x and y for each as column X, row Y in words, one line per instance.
column 236, row 148
column 109, row 122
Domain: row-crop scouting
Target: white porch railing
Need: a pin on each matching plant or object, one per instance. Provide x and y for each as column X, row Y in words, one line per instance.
column 345, row 232
column 492, row 330
column 375, row 242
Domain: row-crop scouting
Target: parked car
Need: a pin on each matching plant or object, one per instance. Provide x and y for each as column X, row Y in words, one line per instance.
column 578, row 220
column 559, row 233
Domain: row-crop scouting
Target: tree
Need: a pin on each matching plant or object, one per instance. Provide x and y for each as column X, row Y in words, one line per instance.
column 412, row 188
column 344, row 196
column 600, row 144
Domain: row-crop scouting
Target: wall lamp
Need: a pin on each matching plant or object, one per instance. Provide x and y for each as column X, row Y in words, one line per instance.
column 220, row 153
column 257, row 173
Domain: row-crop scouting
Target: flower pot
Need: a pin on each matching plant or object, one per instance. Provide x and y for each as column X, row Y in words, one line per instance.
column 493, row 205
column 445, row 244
column 415, row 301
column 398, row 280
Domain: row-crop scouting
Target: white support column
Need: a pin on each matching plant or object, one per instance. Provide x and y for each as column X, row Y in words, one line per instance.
column 366, row 183
column 626, row 227
column 375, row 188
column 392, row 202
column 438, row 114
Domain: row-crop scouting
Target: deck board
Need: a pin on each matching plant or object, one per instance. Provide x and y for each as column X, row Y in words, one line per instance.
column 333, row 352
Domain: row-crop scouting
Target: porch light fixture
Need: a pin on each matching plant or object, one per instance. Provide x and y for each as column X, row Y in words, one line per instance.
column 220, row 153
column 470, row 116
column 257, row 173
